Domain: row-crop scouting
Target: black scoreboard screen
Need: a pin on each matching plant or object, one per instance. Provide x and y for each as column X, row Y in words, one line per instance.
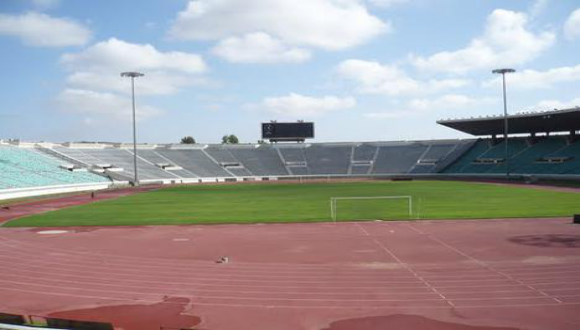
column 287, row 131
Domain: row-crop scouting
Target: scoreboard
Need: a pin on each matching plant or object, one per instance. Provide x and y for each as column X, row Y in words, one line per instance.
column 297, row 131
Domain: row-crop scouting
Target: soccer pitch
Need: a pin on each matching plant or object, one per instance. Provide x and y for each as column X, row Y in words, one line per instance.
column 310, row 202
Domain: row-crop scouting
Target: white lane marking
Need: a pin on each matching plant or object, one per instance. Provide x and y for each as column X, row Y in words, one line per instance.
column 487, row 307
column 19, row 276
column 482, row 263
column 420, row 278
column 251, row 298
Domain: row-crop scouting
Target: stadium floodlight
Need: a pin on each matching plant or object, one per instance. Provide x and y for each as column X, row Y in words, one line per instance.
column 134, row 75
column 503, row 72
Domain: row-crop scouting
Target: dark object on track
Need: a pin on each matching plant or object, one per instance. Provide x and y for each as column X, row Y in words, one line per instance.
column 12, row 319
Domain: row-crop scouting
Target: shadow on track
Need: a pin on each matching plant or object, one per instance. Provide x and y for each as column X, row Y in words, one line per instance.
column 549, row 240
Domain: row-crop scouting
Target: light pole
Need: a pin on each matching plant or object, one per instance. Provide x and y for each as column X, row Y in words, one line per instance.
column 505, row 118
column 134, row 75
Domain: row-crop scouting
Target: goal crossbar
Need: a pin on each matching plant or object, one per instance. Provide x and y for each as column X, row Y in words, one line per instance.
column 333, row 200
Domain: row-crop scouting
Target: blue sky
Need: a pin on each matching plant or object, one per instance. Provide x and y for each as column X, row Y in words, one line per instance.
column 362, row 70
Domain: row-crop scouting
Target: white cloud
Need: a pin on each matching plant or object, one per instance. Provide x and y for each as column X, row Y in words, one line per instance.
column 326, row 24
column 96, row 89
column 421, row 106
column 505, row 42
column 115, row 54
column 98, row 68
column 572, row 25
column 532, row 79
column 104, row 106
column 258, row 47
column 296, row 105
column 154, row 83
column 36, row 29
column 376, row 78
column 557, row 104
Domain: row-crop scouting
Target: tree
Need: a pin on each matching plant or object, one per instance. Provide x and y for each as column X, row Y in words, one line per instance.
column 187, row 140
column 230, row 139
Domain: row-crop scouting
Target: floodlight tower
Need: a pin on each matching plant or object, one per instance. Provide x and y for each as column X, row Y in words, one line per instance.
column 134, row 75
column 503, row 72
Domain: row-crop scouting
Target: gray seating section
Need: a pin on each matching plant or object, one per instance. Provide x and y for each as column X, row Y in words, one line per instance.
column 222, row 155
column 294, row 159
column 328, row 159
column 437, row 152
column 78, row 155
column 194, row 161
column 293, row 154
column 364, row 152
column 299, row 170
column 154, row 157
column 124, row 158
column 262, row 160
column 213, row 161
column 398, row 159
column 239, row 171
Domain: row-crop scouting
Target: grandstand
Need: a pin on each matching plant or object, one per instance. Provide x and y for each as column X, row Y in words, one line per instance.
column 25, row 168
column 220, row 162
column 538, row 152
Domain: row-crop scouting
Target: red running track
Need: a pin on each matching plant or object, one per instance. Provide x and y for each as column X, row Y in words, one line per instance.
column 459, row 275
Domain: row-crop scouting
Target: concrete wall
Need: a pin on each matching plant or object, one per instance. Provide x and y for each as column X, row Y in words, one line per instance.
column 50, row 190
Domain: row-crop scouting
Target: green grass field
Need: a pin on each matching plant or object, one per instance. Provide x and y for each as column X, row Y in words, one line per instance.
column 289, row 202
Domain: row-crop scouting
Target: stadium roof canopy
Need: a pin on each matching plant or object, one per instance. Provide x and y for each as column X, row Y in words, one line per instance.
column 521, row 123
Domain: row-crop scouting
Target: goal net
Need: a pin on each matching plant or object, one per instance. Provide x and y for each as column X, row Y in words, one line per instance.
column 371, row 208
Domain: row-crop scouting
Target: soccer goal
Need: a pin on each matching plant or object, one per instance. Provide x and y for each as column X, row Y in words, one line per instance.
column 371, row 208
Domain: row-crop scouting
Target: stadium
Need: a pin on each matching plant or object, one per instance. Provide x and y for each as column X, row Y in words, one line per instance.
column 332, row 254
column 386, row 165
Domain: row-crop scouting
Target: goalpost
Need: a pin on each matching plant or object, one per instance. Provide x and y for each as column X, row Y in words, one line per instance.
column 334, row 201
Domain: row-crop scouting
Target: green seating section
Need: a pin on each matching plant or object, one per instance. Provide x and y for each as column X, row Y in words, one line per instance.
column 23, row 168
column 462, row 164
column 569, row 167
column 523, row 157
column 527, row 159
